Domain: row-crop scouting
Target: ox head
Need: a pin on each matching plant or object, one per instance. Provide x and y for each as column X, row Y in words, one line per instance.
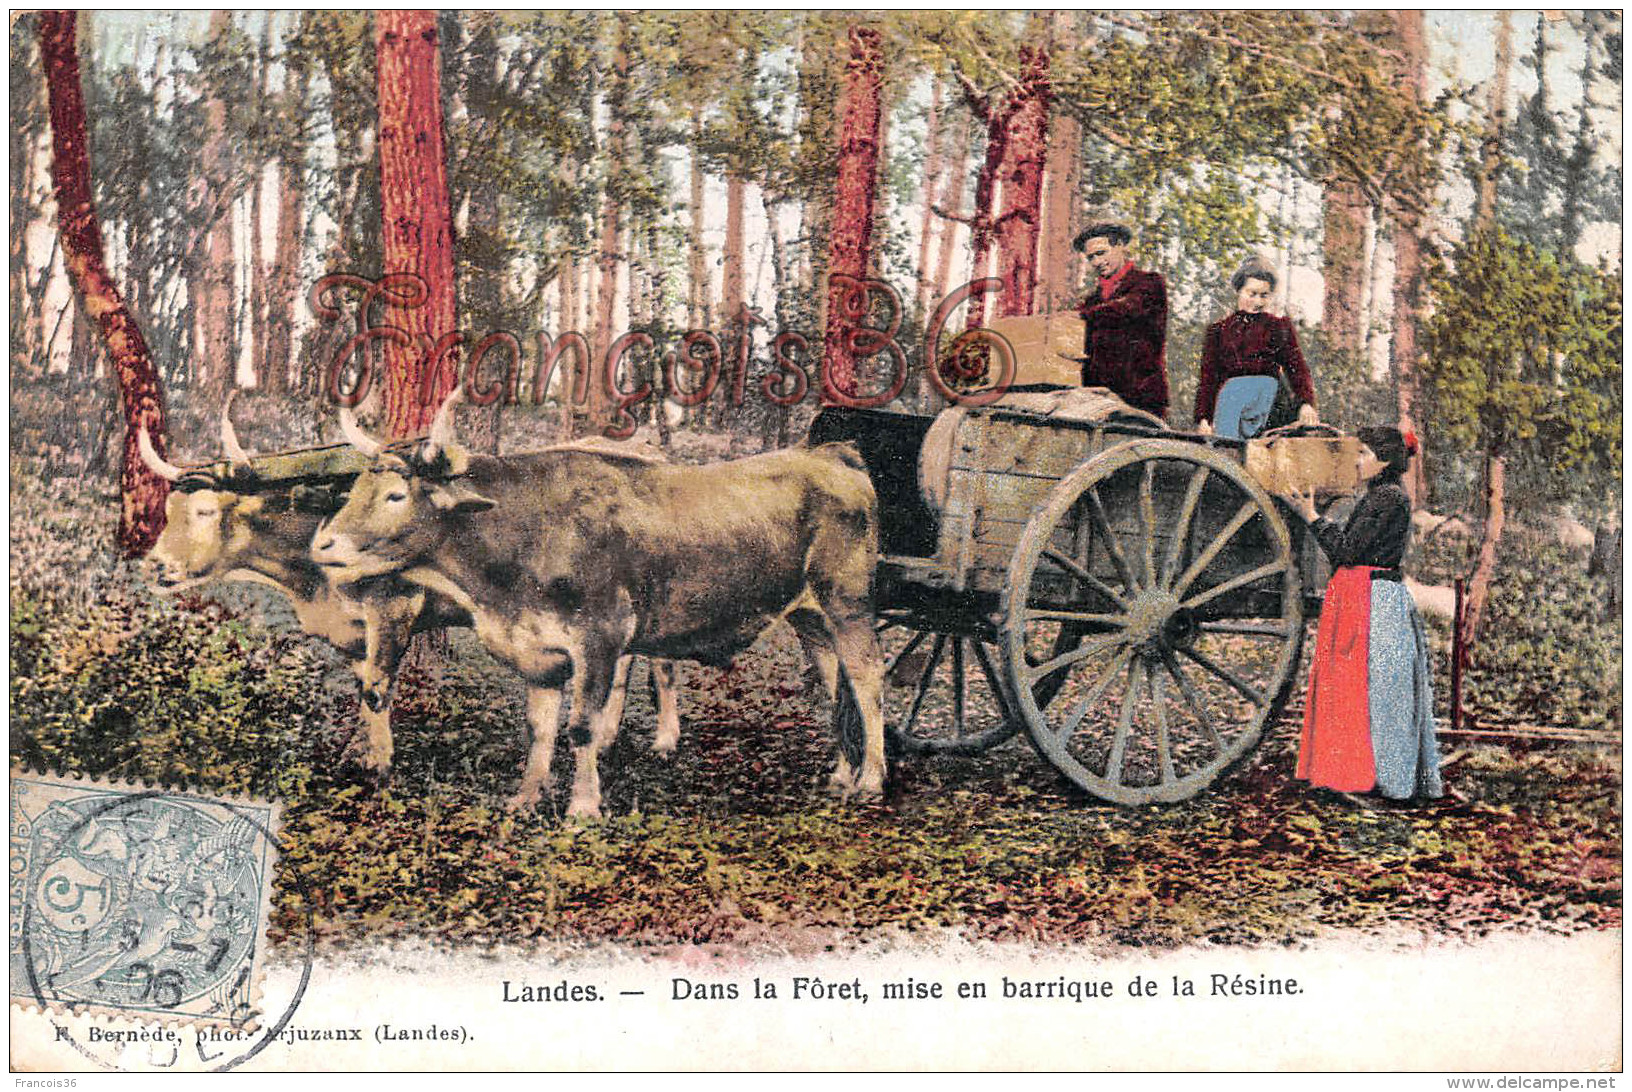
column 402, row 507
column 207, row 529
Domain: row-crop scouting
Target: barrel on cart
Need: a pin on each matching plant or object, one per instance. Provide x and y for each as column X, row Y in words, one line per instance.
column 1130, row 596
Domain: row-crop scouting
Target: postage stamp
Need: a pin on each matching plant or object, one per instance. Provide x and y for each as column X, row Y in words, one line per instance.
column 136, row 901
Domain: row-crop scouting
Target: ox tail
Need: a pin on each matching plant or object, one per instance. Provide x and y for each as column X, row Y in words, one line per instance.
column 845, row 451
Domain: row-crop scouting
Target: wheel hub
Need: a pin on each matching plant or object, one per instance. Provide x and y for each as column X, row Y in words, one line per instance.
column 1150, row 617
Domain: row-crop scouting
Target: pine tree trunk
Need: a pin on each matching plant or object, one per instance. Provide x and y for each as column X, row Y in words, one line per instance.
column 284, row 284
column 933, row 169
column 952, row 202
column 1411, row 44
column 142, row 493
column 1484, row 219
column 850, row 238
column 416, row 220
column 1025, row 151
column 1343, row 255
column 210, row 288
column 1485, row 566
column 697, row 286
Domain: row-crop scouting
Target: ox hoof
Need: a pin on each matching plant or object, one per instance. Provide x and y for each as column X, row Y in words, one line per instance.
column 357, row 769
column 842, row 781
column 661, row 746
column 525, row 799
column 583, row 810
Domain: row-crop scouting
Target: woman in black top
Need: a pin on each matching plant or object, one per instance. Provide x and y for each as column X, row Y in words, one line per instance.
column 1369, row 722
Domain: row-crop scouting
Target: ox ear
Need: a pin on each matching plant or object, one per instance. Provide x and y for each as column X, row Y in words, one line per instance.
column 455, row 499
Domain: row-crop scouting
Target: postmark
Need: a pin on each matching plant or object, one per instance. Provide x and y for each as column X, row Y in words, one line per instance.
column 131, row 901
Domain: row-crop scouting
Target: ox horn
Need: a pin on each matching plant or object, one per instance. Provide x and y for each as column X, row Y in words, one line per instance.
column 144, row 447
column 355, row 436
column 442, row 438
column 229, row 435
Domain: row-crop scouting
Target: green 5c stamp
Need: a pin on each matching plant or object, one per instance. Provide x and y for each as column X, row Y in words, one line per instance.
column 137, row 901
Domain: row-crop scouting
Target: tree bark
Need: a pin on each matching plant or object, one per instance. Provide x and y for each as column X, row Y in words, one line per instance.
column 1025, row 151
column 284, row 283
column 612, row 216
column 1484, row 219
column 951, row 201
column 416, row 220
column 1343, row 252
column 934, row 166
column 850, row 237
column 142, row 493
column 210, row 288
column 1411, row 44
column 1485, row 565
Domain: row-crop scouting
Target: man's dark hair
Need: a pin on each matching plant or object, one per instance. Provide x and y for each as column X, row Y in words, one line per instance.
column 1116, row 234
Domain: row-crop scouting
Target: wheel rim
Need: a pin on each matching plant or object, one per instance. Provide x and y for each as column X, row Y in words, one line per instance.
column 1156, row 600
column 944, row 692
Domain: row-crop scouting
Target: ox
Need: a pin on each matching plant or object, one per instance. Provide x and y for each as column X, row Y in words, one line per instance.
column 232, row 528
column 567, row 560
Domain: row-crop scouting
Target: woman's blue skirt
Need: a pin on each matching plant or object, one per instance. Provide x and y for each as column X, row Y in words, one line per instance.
column 1244, row 406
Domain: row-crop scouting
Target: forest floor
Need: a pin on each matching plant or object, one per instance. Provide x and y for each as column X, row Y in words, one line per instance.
column 732, row 840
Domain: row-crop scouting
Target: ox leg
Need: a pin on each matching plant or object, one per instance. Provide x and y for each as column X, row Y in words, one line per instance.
column 606, row 726
column 665, row 696
column 822, row 673
column 543, row 721
column 591, row 689
column 864, row 670
column 385, row 639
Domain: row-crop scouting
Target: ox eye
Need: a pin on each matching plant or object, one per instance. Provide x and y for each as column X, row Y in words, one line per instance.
column 397, row 497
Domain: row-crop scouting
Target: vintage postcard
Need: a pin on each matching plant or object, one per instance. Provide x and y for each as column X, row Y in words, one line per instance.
column 817, row 540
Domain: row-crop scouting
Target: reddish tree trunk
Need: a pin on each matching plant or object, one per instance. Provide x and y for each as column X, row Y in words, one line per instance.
column 1343, row 252
column 1022, row 174
column 697, row 283
column 417, row 222
column 142, row 494
column 1485, row 566
column 850, row 238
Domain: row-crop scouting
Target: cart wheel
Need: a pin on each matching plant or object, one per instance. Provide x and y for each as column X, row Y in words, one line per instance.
column 1156, row 599
column 930, row 707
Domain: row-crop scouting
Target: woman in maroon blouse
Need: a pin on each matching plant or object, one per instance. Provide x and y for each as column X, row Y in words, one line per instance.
column 1250, row 343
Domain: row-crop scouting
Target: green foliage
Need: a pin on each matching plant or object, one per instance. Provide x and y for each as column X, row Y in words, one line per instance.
column 1524, row 357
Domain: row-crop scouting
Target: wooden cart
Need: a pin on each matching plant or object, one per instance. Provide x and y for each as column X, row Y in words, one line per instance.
column 1131, row 596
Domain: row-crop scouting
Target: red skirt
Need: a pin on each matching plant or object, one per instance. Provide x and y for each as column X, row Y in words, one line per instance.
column 1335, row 752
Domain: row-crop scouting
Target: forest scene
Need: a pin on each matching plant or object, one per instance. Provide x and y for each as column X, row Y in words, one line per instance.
column 695, row 230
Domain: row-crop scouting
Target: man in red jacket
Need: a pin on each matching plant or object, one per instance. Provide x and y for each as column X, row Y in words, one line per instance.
column 1126, row 322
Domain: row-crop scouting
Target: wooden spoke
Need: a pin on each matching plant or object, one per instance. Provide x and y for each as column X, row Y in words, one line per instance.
column 1082, row 617
column 1246, row 629
column 923, row 682
column 1074, row 720
column 957, row 687
column 1164, row 746
column 1070, row 566
column 1250, row 692
column 1192, row 699
column 1102, row 526
column 1205, row 558
column 1147, row 517
column 917, row 639
column 1241, row 581
column 885, row 623
column 1124, row 726
column 1089, row 647
column 989, row 669
column 1181, row 526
